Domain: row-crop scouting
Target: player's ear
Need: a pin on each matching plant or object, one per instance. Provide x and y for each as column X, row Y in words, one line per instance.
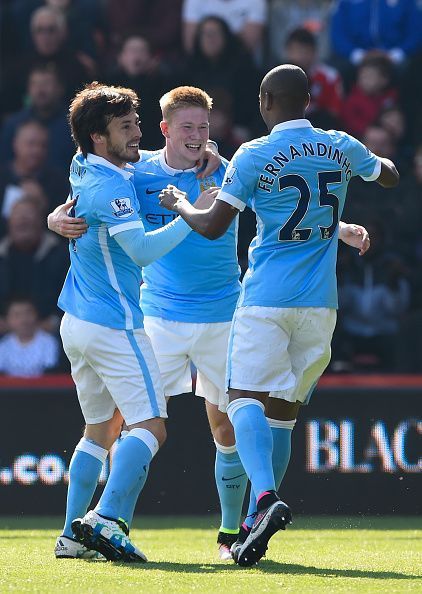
column 308, row 101
column 164, row 127
column 97, row 138
column 268, row 101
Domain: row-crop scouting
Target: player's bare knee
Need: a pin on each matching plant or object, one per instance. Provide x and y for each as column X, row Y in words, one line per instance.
column 224, row 433
column 103, row 434
column 156, row 426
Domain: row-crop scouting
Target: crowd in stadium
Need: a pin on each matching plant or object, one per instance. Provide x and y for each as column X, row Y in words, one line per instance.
column 364, row 69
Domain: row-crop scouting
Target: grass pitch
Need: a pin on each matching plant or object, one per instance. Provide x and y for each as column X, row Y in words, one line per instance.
column 313, row 555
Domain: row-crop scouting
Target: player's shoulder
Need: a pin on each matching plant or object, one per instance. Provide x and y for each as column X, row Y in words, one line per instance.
column 255, row 143
column 334, row 136
column 247, row 150
column 223, row 165
column 148, row 160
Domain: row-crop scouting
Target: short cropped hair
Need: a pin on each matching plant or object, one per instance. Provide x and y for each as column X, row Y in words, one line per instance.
column 182, row 97
column 92, row 109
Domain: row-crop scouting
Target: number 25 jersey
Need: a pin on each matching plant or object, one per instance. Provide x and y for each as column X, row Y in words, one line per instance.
column 295, row 179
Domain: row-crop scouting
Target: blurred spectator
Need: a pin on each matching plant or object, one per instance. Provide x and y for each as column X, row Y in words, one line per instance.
column 219, row 61
column 246, row 18
column 33, row 262
column 49, row 38
column 374, row 293
column 221, row 123
column 28, row 171
column 372, row 93
column 159, row 21
column 325, row 82
column 85, row 19
column 393, row 119
column 391, row 26
column 287, row 15
column 26, row 350
column 138, row 69
column 400, row 207
column 380, row 141
column 45, row 105
column 411, row 97
column 86, row 25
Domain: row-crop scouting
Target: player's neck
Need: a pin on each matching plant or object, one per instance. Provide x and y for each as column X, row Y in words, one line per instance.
column 177, row 161
column 110, row 158
column 281, row 118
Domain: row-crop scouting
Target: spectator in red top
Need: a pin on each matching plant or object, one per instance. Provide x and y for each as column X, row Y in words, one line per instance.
column 326, row 86
column 372, row 93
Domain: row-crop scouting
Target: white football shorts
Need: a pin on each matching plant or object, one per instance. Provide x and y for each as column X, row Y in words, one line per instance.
column 280, row 350
column 177, row 344
column 113, row 368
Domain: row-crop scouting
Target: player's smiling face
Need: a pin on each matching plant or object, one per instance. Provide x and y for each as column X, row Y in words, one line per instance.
column 122, row 139
column 186, row 133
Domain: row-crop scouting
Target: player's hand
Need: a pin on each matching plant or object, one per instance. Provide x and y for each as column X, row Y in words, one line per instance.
column 211, row 159
column 70, row 227
column 206, row 198
column 170, row 196
column 356, row 236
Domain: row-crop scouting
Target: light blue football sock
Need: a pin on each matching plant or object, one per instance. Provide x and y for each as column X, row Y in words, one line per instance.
column 254, row 442
column 129, row 504
column 84, row 471
column 128, row 507
column 231, row 480
column 282, row 439
column 130, row 465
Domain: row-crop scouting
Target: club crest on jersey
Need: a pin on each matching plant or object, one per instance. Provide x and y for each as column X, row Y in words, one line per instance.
column 230, row 173
column 122, row 208
column 207, row 183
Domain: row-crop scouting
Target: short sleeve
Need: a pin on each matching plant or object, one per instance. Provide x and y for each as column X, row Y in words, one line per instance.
column 117, row 208
column 239, row 180
column 364, row 162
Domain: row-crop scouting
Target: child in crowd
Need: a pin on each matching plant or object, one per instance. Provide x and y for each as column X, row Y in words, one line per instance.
column 372, row 93
column 26, row 350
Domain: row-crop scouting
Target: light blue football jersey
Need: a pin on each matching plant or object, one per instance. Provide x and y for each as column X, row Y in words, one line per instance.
column 297, row 177
column 198, row 281
column 102, row 285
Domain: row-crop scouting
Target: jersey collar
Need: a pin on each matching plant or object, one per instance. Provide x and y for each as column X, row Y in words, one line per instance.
column 291, row 124
column 127, row 172
column 169, row 169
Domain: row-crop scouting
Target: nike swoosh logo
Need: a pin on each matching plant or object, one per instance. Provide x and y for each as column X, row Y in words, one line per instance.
column 223, row 478
column 152, row 191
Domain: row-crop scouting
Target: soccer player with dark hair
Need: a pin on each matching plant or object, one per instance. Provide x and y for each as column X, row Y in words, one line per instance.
column 112, row 360
column 296, row 179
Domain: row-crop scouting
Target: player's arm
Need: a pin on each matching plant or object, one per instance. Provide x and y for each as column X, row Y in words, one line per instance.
column 211, row 222
column 237, row 188
column 146, row 247
column 210, row 161
column 389, row 176
column 354, row 235
column 61, row 223
column 371, row 167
